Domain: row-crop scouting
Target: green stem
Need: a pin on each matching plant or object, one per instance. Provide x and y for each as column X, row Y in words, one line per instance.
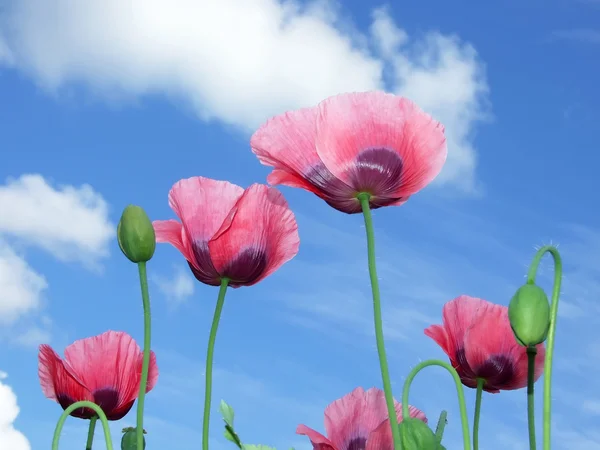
column 441, row 425
column 146, row 359
column 73, row 407
column 209, row 361
column 459, row 390
column 478, row 395
column 90, row 439
column 531, row 353
column 551, row 332
column 387, row 385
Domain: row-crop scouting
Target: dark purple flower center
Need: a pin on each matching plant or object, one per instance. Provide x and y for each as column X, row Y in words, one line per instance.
column 377, row 171
column 497, row 370
column 358, row 443
column 107, row 399
column 245, row 268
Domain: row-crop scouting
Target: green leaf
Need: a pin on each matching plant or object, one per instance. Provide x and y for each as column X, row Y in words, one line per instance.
column 227, row 413
column 257, row 447
column 232, row 436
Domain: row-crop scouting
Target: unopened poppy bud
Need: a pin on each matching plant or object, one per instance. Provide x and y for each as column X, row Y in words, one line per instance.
column 129, row 439
column 416, row 435
column 135, row 234
column 529, row 315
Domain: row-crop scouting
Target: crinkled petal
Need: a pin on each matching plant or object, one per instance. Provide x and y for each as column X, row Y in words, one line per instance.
column 380, row 143
column 318, row 441
column 110, row 365
column 261, row 236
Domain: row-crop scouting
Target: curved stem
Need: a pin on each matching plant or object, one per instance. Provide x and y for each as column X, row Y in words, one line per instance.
column 387, row 385
column 73, row 407
column 551, row 332
column 92, row 428
column 459, row 390
column 531, row 353
column 146, row 358
column 477, row 415
column 209, row 361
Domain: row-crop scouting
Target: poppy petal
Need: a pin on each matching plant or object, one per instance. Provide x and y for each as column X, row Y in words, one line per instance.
column 279, row 176
column 521, row 362
column 380, row 143
column 381, row 438
column 261, row 236
column 110, row 367
column 490, row 348
column 59, row 382
column 287, row 142
column 318, row 441
column 171, row 232
column 352, row 418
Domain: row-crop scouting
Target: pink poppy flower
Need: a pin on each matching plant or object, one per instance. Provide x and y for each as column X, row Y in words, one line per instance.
column 477, row 337
column 358, row 421
column 104, row 369
column 350, row 143
column 229, row 232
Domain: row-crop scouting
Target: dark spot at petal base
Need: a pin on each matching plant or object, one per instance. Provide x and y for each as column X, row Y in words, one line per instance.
column 107, row 399
column 358, row 443
column 82, row 413
column 247, row 267
column 498, row 371
column 205, row 273
column 377, row 171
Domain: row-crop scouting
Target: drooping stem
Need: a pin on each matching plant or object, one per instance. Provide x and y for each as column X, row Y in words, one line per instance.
column 477, row 415
column 547, row 416
column 83, row 404
column 146, row 358
column 441, row 425
column 464, row 419
column 92, row 428
column 387, row 385
column 209, row 361
column 531, row 353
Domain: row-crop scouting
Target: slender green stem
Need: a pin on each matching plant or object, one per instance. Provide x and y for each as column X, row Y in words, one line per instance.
column 90, row 439
column 547, row 416
column 441, row 425
column 387, row 385
column 73, row 407
column 477, row 415
column 146, row 359
column 209, row 361
column 459, row 390
column 531, row 353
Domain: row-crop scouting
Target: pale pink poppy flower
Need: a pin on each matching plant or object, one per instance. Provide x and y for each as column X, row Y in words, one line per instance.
column 477, row 337
column 371, row 142
column 104, row 369
column 358, row 421
column 228, row 232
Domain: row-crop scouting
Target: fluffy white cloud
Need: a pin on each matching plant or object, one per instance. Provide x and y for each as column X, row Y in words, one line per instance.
column 10, row 438
column 70, row 222
column 241, row 61
column 21, row 287
column 177, row 288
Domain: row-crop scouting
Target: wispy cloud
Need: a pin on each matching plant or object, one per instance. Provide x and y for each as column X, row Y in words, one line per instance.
column 177, row 287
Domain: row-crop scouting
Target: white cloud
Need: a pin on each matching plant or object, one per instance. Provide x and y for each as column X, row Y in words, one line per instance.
column 10, row 438
column 21, row 287
column 241, row 61
column 69, row 222
column 177, row 288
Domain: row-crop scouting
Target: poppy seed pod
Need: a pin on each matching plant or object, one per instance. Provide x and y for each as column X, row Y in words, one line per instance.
column 129, row 439
column 417, row 435
column 529, row 315
column 136, row 235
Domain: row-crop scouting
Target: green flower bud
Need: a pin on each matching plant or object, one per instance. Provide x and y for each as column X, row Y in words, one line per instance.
column 529, row 315
column 135, row 234
column 416, row 435
column 129, row 439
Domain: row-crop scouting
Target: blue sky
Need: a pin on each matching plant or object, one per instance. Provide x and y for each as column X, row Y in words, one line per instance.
column 103, row 105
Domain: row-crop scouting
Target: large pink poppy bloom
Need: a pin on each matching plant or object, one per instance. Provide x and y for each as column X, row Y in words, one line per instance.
column 229, row 232
column 350, row 143
column 477, row 337
column 104, row 369
column 358, row 421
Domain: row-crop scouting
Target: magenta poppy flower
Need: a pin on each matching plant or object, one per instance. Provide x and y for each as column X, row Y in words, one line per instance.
column 104, row 369
column 477, row 337
column 229, row 232
column 358, row 421
column 371, row 142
